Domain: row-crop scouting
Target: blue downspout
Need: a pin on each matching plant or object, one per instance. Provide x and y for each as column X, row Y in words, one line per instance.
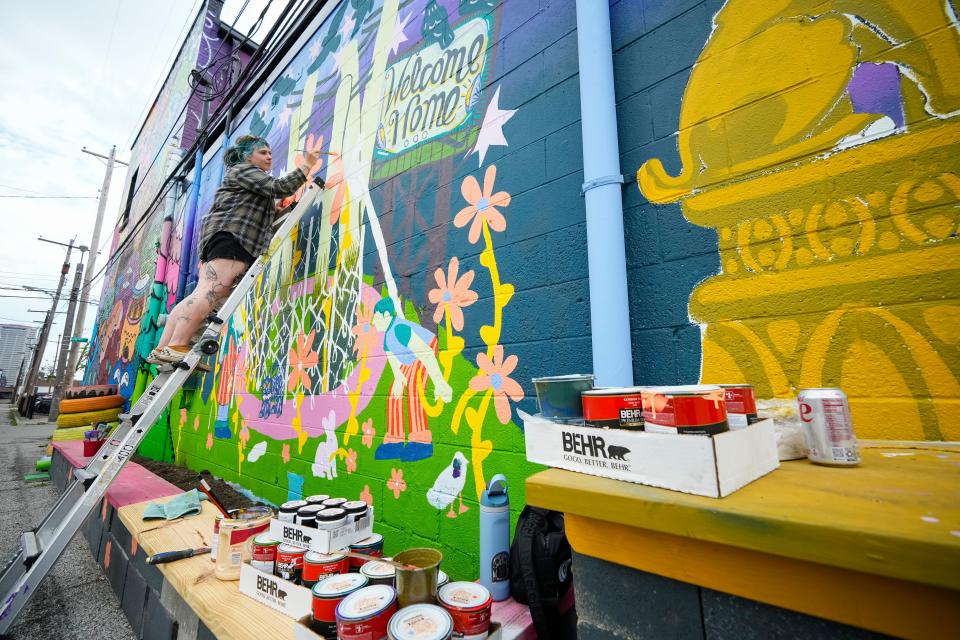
column 189, row 224
column 609, row 309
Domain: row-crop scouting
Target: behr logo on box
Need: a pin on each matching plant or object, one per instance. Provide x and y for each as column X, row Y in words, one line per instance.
column 270, row 587
column 296, row 535
column 593, row 451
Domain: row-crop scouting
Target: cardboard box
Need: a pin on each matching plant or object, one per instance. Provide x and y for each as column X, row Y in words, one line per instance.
column 302, row 631
column 708, row 466
column 275, row 592
column 323, row 540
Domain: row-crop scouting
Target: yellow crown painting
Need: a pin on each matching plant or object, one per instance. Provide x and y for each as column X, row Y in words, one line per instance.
column 820, row 138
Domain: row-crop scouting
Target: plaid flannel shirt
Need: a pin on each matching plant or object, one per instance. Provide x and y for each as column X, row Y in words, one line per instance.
column 244, row 205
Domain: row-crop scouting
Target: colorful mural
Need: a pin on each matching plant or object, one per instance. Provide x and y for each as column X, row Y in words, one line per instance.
column 337, row 375
column 819, row 139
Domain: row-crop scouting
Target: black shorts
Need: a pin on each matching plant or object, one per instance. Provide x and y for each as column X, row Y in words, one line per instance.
column 224, row 244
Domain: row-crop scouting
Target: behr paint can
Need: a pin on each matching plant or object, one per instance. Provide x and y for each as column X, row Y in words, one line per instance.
column 372, row 546
column 470, row 605
column 328, row 593
column 686, row 410
column 741, row 405
column 365, row 613
column 290, row 563
column 421, row 622
column 614, row 408
column 264, row 555
column 318, row 565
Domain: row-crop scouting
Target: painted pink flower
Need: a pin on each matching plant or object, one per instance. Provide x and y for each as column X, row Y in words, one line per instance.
column 452, row 294
column 494, row 374
column 483, row 205
column 396, row 483
column 285, row 453
column 368, row 433
column 210, row 440
column 351, row 461
column 365, row 336
column 196, row 423
column 244, row 433
column 183, row 417
column 366, row 496
column 302, row 357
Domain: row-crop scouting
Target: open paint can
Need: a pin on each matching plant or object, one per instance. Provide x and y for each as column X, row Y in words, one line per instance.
column 419, row 585
column 689, row 409
column 421, row 622
column 365, row 613
column 559, row 396
column 469, row 604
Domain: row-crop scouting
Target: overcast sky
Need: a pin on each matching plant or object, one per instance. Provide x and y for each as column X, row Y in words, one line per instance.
column 75, row 74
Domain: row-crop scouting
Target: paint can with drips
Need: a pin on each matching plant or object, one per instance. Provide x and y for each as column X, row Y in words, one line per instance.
column 470, row 605
column 290, row 563
column 317, row 566
column 614, row 407
column 365, row 614
column 372, row 546
column 420, row 622
column 328, row 593
column 686, row 410
column 741, row 405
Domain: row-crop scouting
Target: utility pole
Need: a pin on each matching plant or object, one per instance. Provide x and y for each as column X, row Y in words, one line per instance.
column 26, row 409
column 91, row 263
column 60, row 376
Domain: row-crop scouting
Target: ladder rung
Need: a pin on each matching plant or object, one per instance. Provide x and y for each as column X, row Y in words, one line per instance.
column 30, row 547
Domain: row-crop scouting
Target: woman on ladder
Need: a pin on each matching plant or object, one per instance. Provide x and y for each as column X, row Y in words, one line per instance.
column 237, row 228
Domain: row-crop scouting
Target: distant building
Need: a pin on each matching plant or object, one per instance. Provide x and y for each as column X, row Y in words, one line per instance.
column 15, row 343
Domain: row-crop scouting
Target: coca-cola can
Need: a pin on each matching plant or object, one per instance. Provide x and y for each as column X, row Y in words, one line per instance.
column 827, row 427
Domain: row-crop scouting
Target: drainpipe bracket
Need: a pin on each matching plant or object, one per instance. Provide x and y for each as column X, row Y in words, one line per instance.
column 616, row 178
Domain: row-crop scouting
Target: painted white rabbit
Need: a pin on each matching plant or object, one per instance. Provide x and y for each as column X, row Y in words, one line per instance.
column 325, row 461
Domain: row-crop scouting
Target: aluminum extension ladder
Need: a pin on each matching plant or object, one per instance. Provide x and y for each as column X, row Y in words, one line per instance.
column 41, row 546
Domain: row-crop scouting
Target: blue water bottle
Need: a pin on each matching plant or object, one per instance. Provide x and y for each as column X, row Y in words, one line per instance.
column 495, row 538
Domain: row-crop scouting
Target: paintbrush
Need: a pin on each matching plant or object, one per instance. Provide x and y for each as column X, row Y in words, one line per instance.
column 170, row 556
column 205, row 487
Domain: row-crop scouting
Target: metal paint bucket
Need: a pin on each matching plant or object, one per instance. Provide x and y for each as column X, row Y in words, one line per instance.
column 415, row 586
column 741, row 405
column 372, row 546
column 559, row 396
column 327, row 595
column 379, row 572
column 317, row 566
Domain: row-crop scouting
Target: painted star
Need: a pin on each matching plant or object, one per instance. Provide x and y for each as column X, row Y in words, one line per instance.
column 399, row 37
column 346, row 28
column 315, row 48
column 491, row 131
column 338, row 58
column 283, row 118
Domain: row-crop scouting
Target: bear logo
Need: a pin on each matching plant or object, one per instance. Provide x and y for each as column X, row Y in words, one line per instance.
column 281, row 594
column 617, row 453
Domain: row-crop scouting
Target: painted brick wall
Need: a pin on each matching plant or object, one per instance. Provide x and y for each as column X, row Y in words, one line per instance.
column 286, row 412
column 797, row 200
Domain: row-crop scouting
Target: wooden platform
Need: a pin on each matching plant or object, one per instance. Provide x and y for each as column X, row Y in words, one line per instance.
column 876, row 546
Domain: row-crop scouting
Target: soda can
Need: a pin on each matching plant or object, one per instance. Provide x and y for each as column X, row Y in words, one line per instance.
column 827, row 427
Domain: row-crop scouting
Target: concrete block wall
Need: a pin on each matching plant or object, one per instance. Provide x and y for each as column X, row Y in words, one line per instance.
column 794, row 220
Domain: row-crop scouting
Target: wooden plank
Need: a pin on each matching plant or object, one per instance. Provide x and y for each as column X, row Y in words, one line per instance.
column 886, row 605
column 228, row 613
column 896, row 515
